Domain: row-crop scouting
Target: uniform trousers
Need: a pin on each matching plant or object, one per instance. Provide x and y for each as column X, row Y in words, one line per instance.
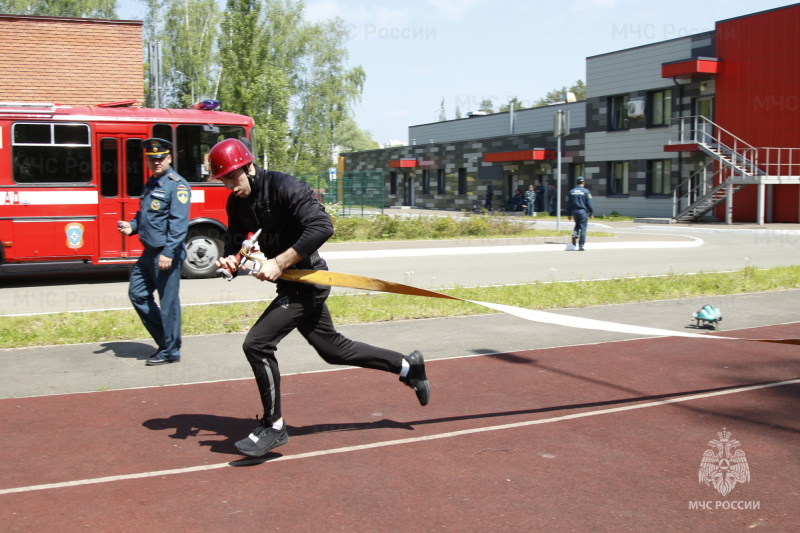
column 303, row 308
column 163, row 324
column 581, row 219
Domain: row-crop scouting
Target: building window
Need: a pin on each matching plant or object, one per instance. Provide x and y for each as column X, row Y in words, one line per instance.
column 426, row 182
column 618, row 113
column 440, row 181
column 618, row 183
column 660, row 105
column 462, row 181
column 659, row 174
column 392, row 182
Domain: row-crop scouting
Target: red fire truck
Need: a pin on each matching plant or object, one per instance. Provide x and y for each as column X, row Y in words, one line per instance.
column 68, row 174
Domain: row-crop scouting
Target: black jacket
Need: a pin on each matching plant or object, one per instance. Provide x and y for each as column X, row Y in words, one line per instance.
column 289, row 215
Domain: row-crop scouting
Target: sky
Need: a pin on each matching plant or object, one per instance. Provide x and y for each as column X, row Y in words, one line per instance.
column 418, row 53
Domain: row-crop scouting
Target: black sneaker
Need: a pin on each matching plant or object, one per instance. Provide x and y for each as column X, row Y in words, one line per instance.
column 574, row 240
column 416, row 378
column 157, row 360
column 262, row 440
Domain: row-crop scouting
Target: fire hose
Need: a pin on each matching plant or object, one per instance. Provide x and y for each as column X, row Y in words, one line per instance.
column 251, row 258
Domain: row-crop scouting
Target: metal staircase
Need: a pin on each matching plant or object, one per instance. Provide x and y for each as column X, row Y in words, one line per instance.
column 735, row 164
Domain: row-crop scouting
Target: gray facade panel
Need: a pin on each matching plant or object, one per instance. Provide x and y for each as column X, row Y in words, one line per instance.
column 637, row 143
column 535, row 120
column 638, row 207
column 636, row 69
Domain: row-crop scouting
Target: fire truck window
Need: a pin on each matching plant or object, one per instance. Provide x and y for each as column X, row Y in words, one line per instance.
column 193, row 142
column 70, row 134
column 163, row 131
column 51, row 153
column 32, row 133
column 109, row 163
column 134, row 168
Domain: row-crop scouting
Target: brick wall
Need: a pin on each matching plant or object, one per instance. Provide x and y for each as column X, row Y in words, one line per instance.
column 70, row 61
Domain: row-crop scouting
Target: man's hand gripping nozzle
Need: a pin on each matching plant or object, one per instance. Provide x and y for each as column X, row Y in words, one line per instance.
column 249, row 258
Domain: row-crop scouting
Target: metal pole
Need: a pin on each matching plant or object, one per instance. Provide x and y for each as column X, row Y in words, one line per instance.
column 560, row 129
column 558, row 184
column 155, row 74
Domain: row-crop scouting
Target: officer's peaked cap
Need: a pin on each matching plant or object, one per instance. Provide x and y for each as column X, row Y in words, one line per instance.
column 156, row 148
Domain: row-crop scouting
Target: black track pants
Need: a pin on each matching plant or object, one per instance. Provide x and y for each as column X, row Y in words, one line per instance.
column 305, row 309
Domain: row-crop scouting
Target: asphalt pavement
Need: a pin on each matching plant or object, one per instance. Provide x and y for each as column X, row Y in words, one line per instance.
column 82, row 368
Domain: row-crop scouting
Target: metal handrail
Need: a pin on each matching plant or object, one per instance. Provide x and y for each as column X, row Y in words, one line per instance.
column 693, row 193
column 781, row 162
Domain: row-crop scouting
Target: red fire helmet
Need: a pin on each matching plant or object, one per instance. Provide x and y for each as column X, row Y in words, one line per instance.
column 227, row 156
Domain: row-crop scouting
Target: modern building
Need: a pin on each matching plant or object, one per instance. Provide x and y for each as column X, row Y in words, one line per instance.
column 701, row 126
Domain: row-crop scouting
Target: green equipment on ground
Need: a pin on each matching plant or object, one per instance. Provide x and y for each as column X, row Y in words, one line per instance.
column 709, row 315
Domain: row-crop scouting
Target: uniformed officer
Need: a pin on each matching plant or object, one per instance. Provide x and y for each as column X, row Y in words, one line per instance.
column 162, row 223
column 580, row 209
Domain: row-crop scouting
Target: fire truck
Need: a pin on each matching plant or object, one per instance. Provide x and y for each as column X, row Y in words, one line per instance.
column 69, row 174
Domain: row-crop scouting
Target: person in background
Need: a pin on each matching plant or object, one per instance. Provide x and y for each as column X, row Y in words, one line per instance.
column 580, row 209
column 553, row 200
column 530, row 202
column 539, row 189
column 161, row 223
column 488, row 203
column 517, row 200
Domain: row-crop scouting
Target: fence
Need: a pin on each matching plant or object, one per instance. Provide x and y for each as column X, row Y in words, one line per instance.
column 357, row 193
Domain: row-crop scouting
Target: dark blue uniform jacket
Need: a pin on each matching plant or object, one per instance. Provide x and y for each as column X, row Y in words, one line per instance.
column 581, row 198
column 163, row 217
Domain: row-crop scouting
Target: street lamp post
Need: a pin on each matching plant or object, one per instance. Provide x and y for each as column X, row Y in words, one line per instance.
column 560, row 129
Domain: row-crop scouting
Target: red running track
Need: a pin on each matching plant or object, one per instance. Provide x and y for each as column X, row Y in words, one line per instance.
column 605, row 437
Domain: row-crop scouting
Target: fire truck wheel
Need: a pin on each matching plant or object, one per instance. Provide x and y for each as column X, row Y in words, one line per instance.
column 203, row 247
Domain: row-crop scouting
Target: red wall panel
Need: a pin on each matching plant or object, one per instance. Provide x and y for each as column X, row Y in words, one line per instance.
column 758, row 94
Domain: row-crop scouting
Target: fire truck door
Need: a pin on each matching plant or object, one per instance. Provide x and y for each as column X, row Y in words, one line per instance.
column 121, row 178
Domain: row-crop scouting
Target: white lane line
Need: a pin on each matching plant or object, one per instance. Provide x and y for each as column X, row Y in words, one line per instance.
column 398, row 442
column 515, row 249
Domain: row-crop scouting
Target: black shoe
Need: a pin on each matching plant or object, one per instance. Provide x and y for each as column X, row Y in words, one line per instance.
column 416, row 378
column 263, row 439
column 580, row 249
column 574, row 240
column 157, row 360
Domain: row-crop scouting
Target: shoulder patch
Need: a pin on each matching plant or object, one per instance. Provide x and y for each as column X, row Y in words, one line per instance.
column 182, row 194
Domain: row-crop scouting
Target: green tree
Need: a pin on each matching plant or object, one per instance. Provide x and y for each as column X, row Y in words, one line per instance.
column 259, row 50
column 188, row 35
column 98, row 9
column 507, row 107
column 442, row 114
column 350, row 138
column 326, row 92
column 486, row 106
column 557, row 95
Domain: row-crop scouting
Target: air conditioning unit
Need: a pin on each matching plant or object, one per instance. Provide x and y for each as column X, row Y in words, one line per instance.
column 636, row 108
